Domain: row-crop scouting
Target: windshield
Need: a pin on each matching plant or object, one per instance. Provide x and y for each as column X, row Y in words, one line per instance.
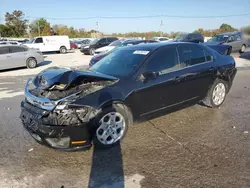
column 115, row 43
column 94, row 41
column 181, row 37
column 219, row 38
column 120, row 62
column 30, row 41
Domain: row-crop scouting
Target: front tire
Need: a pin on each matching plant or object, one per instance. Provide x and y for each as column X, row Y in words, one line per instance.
column 112, row 126
column 92, row 51
column 216, row 94
column 31, row 63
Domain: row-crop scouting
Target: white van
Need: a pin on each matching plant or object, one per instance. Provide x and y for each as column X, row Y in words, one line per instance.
column 50, row 43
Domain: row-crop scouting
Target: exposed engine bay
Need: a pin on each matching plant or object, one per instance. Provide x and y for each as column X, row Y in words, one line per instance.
column 55, row 94
column 57, row 83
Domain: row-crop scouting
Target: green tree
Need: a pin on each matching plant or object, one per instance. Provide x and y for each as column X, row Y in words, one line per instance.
column 5, row 31
column 16, row 23
column 226, row 28
column 38, row 26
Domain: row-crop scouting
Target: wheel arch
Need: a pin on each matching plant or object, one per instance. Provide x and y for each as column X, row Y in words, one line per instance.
column 63, row 47
column 225, row 77
column 122, row 104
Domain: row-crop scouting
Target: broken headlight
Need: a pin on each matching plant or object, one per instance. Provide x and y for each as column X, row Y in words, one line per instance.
column 64, row 103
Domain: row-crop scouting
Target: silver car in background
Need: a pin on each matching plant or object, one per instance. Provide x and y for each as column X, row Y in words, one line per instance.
column 12, row 56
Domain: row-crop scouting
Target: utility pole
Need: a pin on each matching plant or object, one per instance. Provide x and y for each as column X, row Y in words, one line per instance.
column 97, row 28
column 38, row 27
column 161, row 28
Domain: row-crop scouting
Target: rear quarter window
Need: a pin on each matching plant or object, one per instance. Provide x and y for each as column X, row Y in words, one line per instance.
column 4, row 50
column 191, row 55
column 16, row 49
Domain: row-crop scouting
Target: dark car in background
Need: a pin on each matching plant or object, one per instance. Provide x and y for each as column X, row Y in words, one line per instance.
column 98, row 57
column 220, row 48
column 96, row 43
column 189, row 37
column 234, row 39
column 68, row 109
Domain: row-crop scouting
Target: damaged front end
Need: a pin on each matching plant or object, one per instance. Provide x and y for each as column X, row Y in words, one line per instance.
column 47, row 113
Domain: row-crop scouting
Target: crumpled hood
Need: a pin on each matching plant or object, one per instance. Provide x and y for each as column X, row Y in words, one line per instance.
column 65, row 77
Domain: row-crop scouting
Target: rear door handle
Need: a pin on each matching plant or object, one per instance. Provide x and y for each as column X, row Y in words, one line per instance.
column 8, row 56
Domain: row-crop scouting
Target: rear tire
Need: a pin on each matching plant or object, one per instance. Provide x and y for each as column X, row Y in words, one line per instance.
column 63, row 50
column 243, row 48
column 31, row 63
column 216, row 94
column 121, row 114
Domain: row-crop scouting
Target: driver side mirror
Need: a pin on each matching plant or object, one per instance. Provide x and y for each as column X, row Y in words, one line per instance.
column 148, row 76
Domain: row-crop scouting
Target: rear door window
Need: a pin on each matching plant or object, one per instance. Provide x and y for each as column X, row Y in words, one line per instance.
column 4, row 50
column 111, row 40
column 163, row 60
column 103, row 41
column 16, row 49
column 191, row 55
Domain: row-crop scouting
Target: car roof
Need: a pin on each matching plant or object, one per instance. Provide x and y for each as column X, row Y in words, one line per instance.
column 137, row 41
column 11, row 45
column 230, row 33
column 153, row 46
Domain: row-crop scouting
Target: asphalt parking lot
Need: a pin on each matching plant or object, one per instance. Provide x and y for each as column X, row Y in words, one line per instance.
column 193, row 147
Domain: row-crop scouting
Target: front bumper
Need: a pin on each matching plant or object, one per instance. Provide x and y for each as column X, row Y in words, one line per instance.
column 85, row 50
column 64, row 137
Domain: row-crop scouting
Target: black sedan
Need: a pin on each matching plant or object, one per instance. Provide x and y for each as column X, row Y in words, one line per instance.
column 68, row 109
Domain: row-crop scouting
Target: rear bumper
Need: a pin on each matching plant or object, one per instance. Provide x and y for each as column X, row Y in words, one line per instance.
column 40, row 59
column 63, row 137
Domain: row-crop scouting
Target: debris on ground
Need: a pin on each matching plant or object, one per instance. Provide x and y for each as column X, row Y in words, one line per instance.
column 31, row 149
column 245, row 132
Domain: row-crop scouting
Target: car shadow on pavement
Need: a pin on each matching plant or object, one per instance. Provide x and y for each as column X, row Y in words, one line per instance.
column 44, row 63
column 107, row 164
column 245, row 55
column 107, row 168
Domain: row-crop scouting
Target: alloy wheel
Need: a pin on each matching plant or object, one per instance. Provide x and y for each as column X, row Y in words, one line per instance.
column 111, row 129
column 32, row 63
column 219, row 94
